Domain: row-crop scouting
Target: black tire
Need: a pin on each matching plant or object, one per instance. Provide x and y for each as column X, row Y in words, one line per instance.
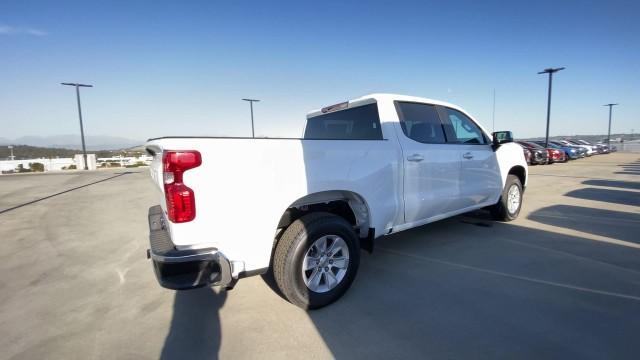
column 500, row 211
column 292, row 248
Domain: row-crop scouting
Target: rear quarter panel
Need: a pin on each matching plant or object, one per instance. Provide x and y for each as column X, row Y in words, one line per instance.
column 244, row 186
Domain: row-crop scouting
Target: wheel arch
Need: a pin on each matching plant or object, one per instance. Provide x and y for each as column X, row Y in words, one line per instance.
column 520, row 172
column 347, row 204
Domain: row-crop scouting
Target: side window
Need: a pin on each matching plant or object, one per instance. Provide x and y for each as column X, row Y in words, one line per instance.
column 420, row 122
column 464, row 129
column 359, row 123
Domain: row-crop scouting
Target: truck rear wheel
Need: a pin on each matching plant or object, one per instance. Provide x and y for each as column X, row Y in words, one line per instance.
column 316, row 260
column 508, row 207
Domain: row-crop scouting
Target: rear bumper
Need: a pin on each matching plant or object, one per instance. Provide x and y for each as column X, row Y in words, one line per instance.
column 561, row 158
column 184, row 269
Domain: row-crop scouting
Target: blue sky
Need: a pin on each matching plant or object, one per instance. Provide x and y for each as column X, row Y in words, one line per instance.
column 181, row 68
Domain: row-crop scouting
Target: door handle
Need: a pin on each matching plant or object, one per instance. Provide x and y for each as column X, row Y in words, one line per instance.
column 467, row 155
column 415, row 157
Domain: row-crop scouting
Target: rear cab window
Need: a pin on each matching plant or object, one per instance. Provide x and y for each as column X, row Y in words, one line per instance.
column 358, row 123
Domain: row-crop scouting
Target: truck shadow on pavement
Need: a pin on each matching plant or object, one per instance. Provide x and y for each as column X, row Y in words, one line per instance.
column 456, row 290
column 195, row 326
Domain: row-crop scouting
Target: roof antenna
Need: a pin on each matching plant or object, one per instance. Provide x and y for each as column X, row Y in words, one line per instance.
column 493, row 114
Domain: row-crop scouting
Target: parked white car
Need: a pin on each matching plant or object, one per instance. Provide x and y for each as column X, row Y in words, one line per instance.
column 591, row 150
column 366, row 168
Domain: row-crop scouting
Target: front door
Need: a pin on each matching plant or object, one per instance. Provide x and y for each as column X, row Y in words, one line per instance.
column 480, row 179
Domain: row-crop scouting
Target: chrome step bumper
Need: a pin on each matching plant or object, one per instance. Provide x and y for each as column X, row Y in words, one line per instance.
column 184, row 269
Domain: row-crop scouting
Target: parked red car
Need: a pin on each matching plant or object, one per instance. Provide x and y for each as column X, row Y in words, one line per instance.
column 539, row 155
column 553, row 155
column 562, row 157
column 556, row 155
column 527, row 155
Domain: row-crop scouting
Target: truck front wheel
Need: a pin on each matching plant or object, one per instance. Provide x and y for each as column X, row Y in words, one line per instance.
column 316, row 260
column 508, row 207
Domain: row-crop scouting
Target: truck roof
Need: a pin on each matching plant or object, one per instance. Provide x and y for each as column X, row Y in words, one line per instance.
column 377, row 97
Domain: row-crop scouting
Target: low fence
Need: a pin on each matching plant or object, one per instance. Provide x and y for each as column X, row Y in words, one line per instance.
column 628, row 146
column 57, row 164
column 49, row 164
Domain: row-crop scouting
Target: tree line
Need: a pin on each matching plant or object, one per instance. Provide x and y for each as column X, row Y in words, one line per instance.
column 33, row 152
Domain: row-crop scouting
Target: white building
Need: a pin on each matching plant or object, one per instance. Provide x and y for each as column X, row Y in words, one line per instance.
column 91, row 161
column 56, row 164
column 126, row 160
column 78, row 160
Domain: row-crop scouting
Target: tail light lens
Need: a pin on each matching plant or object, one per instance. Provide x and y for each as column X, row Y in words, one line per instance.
column 181, row 201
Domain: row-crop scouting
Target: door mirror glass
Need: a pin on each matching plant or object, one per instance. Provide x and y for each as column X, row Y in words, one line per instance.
column 501, row 137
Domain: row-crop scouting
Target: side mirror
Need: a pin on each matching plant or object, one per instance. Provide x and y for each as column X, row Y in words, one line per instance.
column 502, row 137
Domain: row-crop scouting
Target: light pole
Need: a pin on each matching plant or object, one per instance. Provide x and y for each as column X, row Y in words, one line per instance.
column 609, row 132
column 493, row 113
column 549, row 71
column 11, row 149
column 251, row 101
column 84, row 149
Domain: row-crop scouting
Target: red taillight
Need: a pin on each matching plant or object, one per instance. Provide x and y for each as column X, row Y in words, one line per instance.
column 181, row 201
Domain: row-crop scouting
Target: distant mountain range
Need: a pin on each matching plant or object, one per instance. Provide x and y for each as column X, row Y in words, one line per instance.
column 74, row 142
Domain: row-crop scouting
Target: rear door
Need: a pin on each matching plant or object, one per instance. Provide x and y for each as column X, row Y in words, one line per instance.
column 431, row 166
column 480, row 179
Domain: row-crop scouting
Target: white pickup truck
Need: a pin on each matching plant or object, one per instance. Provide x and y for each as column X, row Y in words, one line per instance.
column 304, row 207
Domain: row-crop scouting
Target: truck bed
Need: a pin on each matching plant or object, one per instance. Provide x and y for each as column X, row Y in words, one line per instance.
column 257, row 179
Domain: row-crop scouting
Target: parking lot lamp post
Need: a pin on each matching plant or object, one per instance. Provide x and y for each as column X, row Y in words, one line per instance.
column 84, row 149
column 251, row 101
column 609, row 132
column 549, row 71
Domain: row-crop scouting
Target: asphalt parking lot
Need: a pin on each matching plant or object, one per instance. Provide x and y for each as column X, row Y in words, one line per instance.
column 562, row 281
